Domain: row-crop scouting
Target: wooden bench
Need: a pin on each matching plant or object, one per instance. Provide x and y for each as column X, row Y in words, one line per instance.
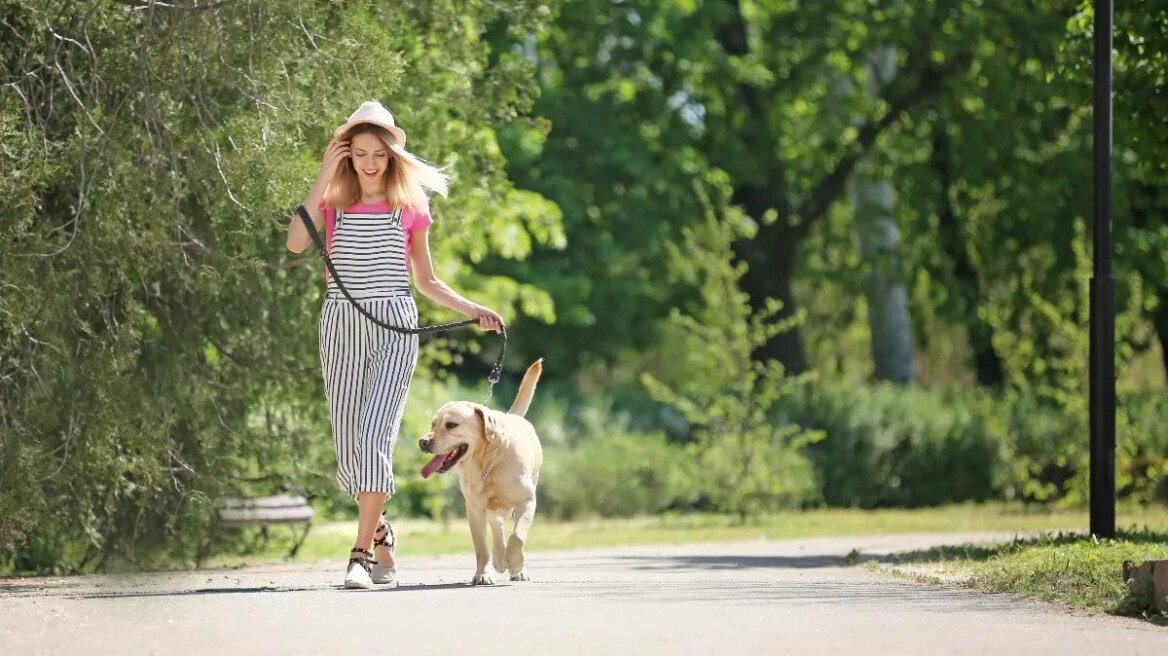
column 262, row 511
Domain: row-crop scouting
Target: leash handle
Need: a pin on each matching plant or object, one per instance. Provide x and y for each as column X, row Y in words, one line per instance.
column 322, row 250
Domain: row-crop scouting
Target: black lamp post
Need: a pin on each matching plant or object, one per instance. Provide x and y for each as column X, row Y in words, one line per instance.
column 1102, row 371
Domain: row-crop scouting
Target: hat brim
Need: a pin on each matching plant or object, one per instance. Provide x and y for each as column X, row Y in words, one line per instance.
column 397, row 132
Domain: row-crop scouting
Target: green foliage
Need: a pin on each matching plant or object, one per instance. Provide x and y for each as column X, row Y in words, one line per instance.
column 891, row 446
column 745, row 462
column 1142, row 449
column 906, row 447
column 1049, row 449
column 616, row 474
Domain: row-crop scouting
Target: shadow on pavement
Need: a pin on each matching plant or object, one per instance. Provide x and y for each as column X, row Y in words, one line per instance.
column 202, row 591
column 265, row 589
column 846, row 596
column 731, row 562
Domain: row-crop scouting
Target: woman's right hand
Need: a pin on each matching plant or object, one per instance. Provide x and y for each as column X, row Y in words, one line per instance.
column 486, row 318
column 336, row 152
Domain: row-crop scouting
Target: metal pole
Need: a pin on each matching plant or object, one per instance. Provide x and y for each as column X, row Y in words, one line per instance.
column 1102, row 292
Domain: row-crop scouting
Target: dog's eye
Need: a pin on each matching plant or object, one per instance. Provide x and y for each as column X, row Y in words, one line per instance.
column 450, row 425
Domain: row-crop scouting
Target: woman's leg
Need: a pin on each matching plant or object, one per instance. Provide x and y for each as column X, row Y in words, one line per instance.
column 391, row 369
column 369, row 505
column 384, row 542
column 343, row 353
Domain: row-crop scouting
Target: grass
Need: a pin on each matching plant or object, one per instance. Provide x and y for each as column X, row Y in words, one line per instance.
column 1070, row 568
column 423, row 537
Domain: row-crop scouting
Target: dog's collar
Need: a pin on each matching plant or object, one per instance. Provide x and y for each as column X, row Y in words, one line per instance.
column 487, row 471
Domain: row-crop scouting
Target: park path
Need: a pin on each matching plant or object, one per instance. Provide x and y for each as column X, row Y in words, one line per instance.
column 763, row 597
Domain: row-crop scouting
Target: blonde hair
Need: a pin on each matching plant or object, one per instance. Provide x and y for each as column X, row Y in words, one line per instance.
column 406, row 178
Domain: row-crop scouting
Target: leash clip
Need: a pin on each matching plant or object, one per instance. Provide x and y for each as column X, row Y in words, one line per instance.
column 496, row 369
column 492, row 378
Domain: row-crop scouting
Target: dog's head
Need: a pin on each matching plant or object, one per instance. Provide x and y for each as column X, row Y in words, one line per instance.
column 458, row 428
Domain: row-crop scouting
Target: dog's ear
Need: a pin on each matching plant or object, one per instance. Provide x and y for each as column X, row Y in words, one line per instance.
column 488, row 423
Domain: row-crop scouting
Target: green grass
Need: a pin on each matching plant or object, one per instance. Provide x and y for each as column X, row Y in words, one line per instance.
column 422, row 537
column 1070, row 568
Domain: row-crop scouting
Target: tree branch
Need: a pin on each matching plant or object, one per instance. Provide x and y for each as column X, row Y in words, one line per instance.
column 926, row 85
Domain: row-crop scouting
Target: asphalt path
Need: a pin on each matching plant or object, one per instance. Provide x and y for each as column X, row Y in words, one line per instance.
column 762, row 597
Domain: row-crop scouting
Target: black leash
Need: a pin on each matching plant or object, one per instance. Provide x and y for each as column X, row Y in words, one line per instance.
column 322, row 249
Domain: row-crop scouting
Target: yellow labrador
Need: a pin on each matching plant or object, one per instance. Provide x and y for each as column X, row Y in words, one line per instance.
column 498, row 457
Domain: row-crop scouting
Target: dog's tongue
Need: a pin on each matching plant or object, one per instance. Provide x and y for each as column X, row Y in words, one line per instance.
column 433, row 466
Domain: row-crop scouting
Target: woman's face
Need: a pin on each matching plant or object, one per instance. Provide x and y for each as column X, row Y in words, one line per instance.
column 370, row 157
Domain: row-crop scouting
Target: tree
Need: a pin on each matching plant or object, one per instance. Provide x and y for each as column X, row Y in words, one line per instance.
column 991, row 190
column 1141, row 82
column 739, row 88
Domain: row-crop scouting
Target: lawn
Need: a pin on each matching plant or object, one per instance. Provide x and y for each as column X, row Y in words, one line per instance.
column 1070, row 568
column 332, row 540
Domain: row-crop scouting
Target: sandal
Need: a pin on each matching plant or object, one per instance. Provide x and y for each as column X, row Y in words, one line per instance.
column 384, row 573
column 360, row 565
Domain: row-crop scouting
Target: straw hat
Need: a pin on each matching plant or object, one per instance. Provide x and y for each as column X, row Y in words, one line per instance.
column 373, row 112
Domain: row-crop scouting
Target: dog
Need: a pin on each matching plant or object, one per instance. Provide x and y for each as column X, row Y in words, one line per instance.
column 498, row 457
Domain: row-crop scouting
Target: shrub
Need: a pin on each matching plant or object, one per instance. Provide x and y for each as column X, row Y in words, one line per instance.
column 619, row 474
column 889, row 446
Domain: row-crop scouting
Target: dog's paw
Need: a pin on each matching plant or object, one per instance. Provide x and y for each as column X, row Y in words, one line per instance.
column 521, row 576
column 482, row 579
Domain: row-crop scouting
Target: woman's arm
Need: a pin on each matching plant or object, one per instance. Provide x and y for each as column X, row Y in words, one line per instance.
column 434, row 289
column 298, row 238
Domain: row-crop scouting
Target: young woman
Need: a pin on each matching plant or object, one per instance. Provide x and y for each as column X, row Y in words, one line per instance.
column 370, row 196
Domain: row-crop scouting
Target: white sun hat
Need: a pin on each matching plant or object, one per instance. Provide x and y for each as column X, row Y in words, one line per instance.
column 373, row 112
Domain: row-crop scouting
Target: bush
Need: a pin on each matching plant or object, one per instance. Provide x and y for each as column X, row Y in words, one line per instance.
column 619, row 474
column 890, row 446
column 1142, row 448
column 1051, row 449
column 1047, row 449
column 894, row 446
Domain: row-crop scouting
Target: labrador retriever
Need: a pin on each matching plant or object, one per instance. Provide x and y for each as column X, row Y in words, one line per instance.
column 498, row 457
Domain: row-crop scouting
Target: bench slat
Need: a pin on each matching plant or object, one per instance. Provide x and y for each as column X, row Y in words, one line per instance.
column 278, row 501
column 265, row 515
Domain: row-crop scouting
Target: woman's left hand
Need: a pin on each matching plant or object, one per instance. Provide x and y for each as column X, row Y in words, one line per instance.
column 486, row 319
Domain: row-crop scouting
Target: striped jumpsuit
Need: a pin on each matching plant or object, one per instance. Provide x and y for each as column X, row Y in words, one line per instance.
column 367, row 368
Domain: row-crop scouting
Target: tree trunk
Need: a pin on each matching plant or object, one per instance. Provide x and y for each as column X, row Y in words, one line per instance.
column 888, row 309
column 965, row 285
column 771, row 259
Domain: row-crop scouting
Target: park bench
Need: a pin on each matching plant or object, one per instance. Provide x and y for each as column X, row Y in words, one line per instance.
column 262, row 511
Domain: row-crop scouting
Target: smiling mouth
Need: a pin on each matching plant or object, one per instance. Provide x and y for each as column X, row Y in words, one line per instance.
column 443, row 462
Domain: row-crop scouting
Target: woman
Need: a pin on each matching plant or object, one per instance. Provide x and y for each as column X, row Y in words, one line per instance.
column 370, row 196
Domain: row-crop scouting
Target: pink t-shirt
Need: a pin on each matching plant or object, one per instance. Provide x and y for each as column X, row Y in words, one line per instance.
column 412, row 220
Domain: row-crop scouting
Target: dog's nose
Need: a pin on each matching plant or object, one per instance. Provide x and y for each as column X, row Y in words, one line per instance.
column 424, row 445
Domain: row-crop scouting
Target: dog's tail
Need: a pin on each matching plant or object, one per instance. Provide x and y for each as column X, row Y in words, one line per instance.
column 526, row 389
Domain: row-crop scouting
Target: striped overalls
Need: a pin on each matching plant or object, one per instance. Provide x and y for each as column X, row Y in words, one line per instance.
column 367, row 368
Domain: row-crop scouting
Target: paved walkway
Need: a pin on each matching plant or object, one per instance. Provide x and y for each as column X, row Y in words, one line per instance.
column 765, row 597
